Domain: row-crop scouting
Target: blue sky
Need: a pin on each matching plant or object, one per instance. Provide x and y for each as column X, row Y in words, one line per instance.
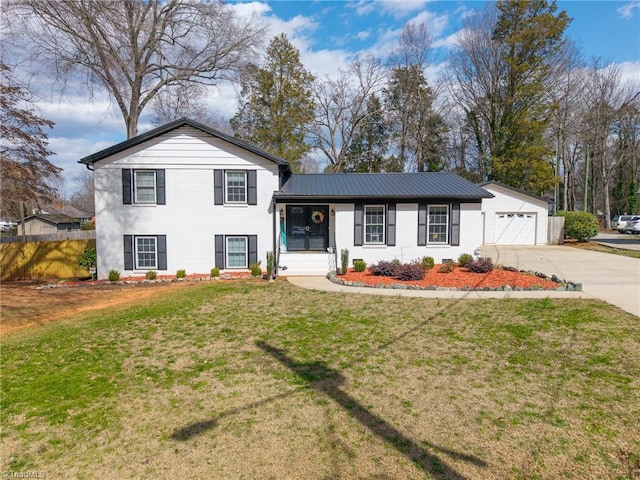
column 330, row 33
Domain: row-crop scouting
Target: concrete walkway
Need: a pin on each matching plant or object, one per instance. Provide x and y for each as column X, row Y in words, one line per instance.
column 612, row 278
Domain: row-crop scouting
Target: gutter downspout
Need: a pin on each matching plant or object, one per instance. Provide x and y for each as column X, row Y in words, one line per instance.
column 276, row 257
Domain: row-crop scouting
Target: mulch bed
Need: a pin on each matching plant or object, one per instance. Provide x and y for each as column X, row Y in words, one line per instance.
column 459, row 278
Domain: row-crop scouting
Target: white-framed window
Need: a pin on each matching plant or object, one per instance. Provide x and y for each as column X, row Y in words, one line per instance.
column 374, row 224
column 146, row 253
column 144, row 182
column 237, row 252
column 236, row 187
column 438, row 224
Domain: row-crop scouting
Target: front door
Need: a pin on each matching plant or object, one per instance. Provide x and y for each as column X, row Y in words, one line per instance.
column 307, row 227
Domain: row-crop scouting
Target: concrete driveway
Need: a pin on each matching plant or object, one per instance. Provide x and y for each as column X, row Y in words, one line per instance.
column 612, row 278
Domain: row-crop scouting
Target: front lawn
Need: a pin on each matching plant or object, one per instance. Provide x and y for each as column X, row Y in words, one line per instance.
column 230, row 380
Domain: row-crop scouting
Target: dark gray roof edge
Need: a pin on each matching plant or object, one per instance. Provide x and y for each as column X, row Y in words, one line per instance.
column 514, row 189
column 181, row 122
column 289, row 196
column 53, row 218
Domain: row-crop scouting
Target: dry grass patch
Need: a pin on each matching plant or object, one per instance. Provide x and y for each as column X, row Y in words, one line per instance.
column 235, row 380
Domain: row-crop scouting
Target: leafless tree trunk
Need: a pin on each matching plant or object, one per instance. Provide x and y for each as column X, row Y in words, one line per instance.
column 133, row 48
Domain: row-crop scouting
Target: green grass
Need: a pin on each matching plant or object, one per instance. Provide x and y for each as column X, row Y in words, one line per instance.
column 235, row 380
column 625, row 252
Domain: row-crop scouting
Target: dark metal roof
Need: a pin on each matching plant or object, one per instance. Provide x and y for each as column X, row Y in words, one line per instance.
column 182, row 122
column 514, row 189
column 343, row 186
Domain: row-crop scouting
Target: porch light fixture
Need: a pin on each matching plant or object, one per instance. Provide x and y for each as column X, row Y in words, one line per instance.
column 282, row 214
column 333, row 212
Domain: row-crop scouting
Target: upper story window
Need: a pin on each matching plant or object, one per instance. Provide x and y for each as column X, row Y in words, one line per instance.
column 236, row 187
column 374, row 224
column 143, row 187
column 438, row 224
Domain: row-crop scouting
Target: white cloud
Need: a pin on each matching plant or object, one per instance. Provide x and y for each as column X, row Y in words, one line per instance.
column 363, row 35
column 630, row 72
column 626, row 10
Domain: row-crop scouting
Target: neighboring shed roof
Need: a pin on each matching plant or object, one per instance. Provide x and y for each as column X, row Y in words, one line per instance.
column 182, row 122
column 514, row 189
column 53, row 219
column 344, row 186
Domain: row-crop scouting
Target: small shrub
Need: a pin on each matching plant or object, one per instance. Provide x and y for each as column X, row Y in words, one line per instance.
column 215, row 272
column 88, row 259
column 385, row 269
column 271, row 258
column 481, row 265
column 426, row 263
column 256, row 270
column 150, row 275
column 344, row 261
column 114, row 275
column 182, row 273
column 579, row 225
column 410, row 271
column 447, row 267
column 359, row 265
column 396, row 261
column 464, row 259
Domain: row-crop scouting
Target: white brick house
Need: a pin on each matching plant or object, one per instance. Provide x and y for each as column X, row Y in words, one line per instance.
column 185, row 196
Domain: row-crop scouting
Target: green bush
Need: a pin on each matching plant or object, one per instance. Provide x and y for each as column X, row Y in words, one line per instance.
column 114, row 275
column 87, row 226
column 579, row 225
column 359, row 265
column 182, row 273
column 464, row 259
column 256, row 270
column 88, row 259
column 344, row 261
column 150, row 275
column 426, row 263
column 271, row 259
column 215, row 272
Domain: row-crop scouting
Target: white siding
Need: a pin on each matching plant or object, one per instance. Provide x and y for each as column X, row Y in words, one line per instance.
column 406, row 248
column 190, row 220
column 507, row 201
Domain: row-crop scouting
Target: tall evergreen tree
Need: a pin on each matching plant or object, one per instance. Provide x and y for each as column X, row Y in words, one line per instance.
column 277, row 104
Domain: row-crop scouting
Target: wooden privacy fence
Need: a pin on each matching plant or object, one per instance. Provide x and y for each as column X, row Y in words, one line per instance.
column 43, row 259
column 51, row 237
column 555, row 231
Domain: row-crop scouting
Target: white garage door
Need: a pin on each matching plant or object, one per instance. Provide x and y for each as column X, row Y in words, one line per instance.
column 515, row 228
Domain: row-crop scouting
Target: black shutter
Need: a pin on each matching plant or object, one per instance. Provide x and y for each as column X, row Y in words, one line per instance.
column 422, row 224
column 160, row 190
column 253, row 249
column 218, row 187
column 358, row 229
column 252, row 190
column 455, row 224
column 126, row 186
column 391, row 225
column 128, row 252
column 161, row 241
column 219, row 251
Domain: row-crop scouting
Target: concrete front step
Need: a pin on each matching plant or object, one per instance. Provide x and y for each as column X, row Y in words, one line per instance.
column 306, row 263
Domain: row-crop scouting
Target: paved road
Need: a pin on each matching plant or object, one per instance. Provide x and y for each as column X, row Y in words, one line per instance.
column 612, row 278
column 618, row 240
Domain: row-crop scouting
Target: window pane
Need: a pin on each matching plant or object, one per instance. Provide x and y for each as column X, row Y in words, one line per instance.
column 236, row 187
column 236, row 252
column 373, row 224
column 438, row 224
column 146, row 252
column 145, row 183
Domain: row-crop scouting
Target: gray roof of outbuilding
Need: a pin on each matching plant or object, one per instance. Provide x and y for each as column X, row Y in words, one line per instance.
column 182, row 122
column 343, row 186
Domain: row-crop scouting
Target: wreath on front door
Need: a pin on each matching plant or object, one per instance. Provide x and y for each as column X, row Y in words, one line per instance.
column 317, row 216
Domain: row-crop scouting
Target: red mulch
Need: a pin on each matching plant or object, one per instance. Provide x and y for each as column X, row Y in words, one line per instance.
column 460, row 278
